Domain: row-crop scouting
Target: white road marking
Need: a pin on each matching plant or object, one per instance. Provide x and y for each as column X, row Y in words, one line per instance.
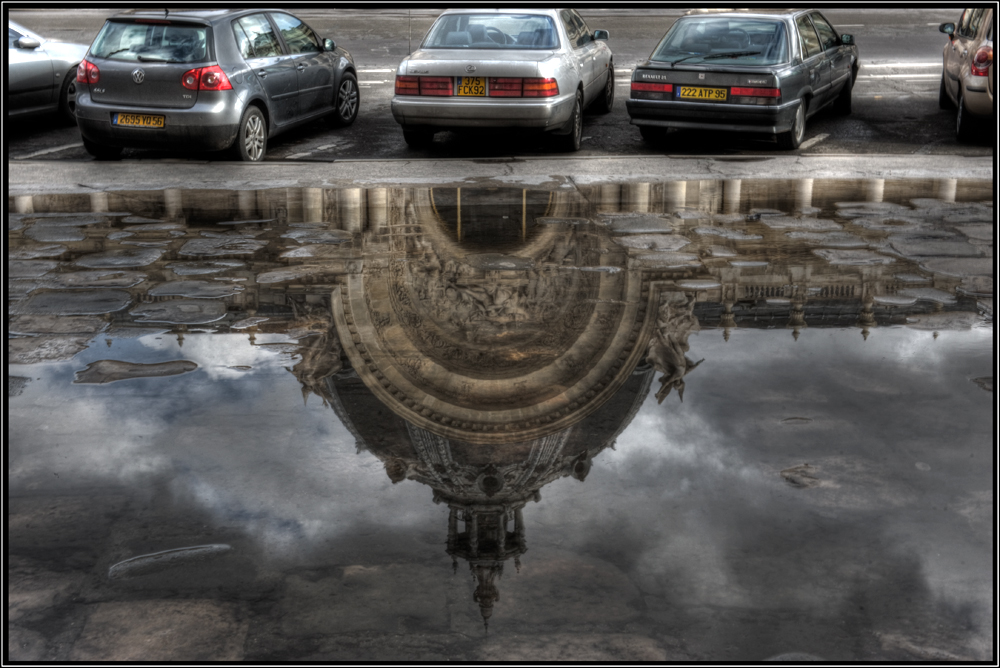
column 363, row 83
column 297, row 155
column 898, row 76
column 374, row 71
column 809, row 143
column 851, row 25
column 867, row 65
column 49, row 150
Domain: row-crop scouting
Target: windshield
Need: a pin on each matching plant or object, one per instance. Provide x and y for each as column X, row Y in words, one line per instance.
column 152, row 42
column 744, row 41
column 492, row 31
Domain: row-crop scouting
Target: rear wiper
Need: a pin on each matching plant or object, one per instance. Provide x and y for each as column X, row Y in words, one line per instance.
column 680, row 60
column 732, row 54
column 127, row 48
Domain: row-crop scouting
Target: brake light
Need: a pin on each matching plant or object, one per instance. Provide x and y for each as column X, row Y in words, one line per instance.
column 757, row 92
column 206, row 78
column 653, row 87
column 540, row 88
column 435, row 85
column 87, row 72
column 406, row 85
column 981, row 61
column 505, row 87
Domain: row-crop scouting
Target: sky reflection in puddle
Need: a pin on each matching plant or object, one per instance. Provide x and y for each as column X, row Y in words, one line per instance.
column 489, row 351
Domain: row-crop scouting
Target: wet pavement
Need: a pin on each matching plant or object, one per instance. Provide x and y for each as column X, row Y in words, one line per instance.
column 671, row 420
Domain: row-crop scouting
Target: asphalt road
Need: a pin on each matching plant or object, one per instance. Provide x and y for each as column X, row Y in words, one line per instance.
column 895, row 99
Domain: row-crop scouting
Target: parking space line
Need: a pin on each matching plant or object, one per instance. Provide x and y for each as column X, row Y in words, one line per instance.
column 374, row 71
column 49, row 150
column 809, row 143
column 898, row 76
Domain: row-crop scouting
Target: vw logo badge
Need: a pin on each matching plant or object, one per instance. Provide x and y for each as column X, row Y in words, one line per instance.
column 138, row 75
column 470, row 68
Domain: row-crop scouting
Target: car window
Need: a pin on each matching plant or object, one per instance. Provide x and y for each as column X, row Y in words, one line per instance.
column 492, row 31
column 572, row 28
column 152, row 42
column 807, row 37
column 298, row 36
column 584, row 36
column 261, row 40
column 827, row 35
column 977, row 18
column 758, row 41
column 970, row 21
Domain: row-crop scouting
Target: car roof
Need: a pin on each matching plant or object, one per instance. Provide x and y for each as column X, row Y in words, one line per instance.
column 763, row 13
column 505, row 10
column 208, row 16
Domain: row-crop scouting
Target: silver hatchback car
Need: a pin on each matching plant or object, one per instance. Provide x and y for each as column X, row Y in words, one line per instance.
column 496, row 68
column 209, row 80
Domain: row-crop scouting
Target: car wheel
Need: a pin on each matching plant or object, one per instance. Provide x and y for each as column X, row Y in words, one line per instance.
column 251, row 140
column 67, row 98
column 791, row 140
column 651, row 134
column 842, row 105
column 571, row 142
column 964, row 129
column 100, row 151
column 347, row 101
column 607, row 100
column 944, row 102
column 418, row 137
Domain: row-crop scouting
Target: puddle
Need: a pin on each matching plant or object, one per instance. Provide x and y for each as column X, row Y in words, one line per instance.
column 597, row 403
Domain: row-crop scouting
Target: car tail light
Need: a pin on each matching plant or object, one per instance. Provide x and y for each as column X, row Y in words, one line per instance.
column 740, row 95
column 206, row 78
column 981, row 61
column 406, row 85
column 87, row 72
column 505, row 86
column 653, row 87
column 435, row 85
column 540, row 88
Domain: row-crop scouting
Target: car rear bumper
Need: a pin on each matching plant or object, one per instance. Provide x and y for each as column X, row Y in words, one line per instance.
column 209, row 125
column 713, row 116
column 547, row 114
column 977, row 98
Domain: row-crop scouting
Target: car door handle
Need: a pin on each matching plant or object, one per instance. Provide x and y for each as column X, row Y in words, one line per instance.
column 300, row 67
column 262, row 74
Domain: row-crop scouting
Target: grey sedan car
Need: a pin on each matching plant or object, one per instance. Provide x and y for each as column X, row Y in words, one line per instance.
column 497, row 68
column 761, row 72
column 209, row 80
column 41, row 74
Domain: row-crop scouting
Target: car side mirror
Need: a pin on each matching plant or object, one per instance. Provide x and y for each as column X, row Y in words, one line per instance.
column 329, row 45
column 27, row 43
column 847, row 40
column 948, row 29
column 601, row 34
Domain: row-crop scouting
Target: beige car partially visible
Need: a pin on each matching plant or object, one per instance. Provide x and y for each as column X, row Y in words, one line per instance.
column 968, row 62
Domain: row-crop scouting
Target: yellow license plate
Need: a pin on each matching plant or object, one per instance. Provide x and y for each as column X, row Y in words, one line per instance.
column 474, row 86
column 698, row 93
column 137, row 120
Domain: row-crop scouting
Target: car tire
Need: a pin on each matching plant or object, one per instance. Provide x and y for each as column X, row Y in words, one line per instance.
column 418, row 137
column 944, row 102
column 651, row 134
column 67, row 98
column 347, row 101
column 606, row 101
column 571, row 142
column 100, row 151
column 791, row 140
column 251, row 139
column 964, row 125
column 842, row 105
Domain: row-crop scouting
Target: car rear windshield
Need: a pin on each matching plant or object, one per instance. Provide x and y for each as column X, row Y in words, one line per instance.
column 492, row 31
column 743, row 41
column 152, row 42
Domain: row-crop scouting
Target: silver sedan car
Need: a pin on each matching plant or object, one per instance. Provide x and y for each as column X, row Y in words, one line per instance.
column 41, row 74
column 496, row 68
